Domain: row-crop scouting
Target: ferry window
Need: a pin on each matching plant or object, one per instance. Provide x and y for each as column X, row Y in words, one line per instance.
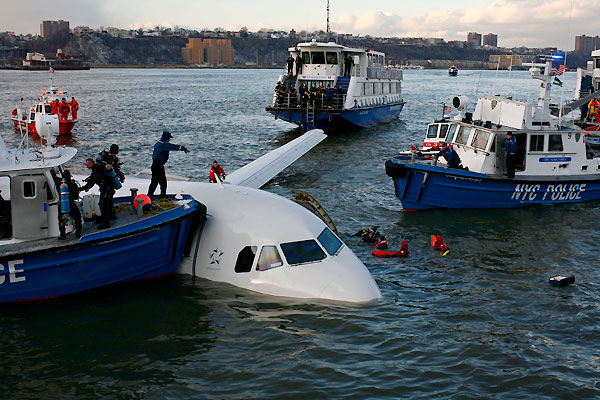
column 555, row 143
column 480, row 139
column 368, row 89
column 245, row 259
column 377, row 87
column 386, row 88
column 28, row 189
column 451, row 132
column 305, row 57
column 331, row 57
column 269, row 258
column 443, row 131
column 318, row 57
column 597, row 62
column 362, row 89
column 432, row 131
column 329, row 241
column 536, row 143
column 463, row 135
column 301, row 252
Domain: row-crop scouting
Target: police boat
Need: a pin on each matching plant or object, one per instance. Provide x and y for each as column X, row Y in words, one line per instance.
column 553, row 163
column 267, row 243
column 34, row 264
column 337, row 87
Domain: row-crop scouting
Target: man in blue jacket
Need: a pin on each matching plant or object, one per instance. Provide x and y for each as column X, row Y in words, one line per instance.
column 160, row 156
column 450, row 155
column 511, row 151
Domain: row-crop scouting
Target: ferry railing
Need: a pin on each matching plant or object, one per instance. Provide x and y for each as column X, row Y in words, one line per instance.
column 384, row 73
column 289, row 100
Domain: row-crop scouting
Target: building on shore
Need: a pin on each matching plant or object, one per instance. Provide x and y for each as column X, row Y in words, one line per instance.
column 491, row 39
column 208, row 51
column 474, row 39
column 54, row 28
column 587, row 44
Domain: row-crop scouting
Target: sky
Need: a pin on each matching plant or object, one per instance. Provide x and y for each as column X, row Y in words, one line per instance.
column 531, row 23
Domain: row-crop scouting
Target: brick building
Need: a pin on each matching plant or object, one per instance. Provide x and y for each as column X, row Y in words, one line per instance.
column 208, row 51
column 587, row 44
column 490, row 39
column 53, row 28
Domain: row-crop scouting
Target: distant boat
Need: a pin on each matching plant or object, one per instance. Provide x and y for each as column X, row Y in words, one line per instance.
column 371, row 93
column 38, row 61
column 453, row 71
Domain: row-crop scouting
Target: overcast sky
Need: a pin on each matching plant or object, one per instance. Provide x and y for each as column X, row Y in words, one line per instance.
column 532, row 23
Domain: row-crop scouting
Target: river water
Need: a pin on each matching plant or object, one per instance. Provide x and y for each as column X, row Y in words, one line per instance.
column 481, row 322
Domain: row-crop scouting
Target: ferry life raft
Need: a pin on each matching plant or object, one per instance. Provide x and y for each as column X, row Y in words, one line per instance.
column 24, row 118
column 554, row 164
column 34, row 264
column 371, row 94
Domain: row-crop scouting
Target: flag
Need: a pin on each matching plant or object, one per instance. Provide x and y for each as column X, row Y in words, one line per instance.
column 561, row 70
column 557, row 82
column 447, row 110
column 51, row 70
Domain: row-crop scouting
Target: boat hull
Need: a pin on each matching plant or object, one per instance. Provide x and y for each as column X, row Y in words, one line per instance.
column 65, row 126
column 334, row 119
column 421, row 187
column 145, row 249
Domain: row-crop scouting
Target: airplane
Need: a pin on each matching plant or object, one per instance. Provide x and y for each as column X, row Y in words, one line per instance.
column 264, row 242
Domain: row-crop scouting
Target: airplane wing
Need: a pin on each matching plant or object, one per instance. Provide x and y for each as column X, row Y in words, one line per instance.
column 263, row 169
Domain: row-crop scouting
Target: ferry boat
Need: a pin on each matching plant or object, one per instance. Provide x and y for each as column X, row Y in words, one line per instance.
column 369, row 94
column 24, row 118
column 588, row 89
column 34, row 264
column 453, row 71
column 554, row 164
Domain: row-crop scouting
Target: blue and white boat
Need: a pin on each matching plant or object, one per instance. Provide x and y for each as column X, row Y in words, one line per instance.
column 369, row 94
column 554, row 163
column 453, row 71
column 34, row 264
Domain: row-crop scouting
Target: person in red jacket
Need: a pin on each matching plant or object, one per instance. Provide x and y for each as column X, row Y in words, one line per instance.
column 64, row 109
column 218, row 170
column 74, row 107
column 54, row 105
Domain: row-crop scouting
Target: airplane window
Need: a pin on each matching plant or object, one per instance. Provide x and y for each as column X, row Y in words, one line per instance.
column 245, row 259
column 302, row 252
column 269, row 258
column 331, row 243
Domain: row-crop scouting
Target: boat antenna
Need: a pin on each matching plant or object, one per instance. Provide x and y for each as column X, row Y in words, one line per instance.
column 562, row 89
column 328, row 30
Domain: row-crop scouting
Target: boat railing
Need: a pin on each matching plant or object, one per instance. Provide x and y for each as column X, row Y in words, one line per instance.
column 320, row 101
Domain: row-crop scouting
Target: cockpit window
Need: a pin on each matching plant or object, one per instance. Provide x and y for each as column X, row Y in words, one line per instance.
column 301, row 252
column 555, row 143
column 245, row 259
column 269, row 258
column 432, row 131
column 329, row 241
column 318, row 57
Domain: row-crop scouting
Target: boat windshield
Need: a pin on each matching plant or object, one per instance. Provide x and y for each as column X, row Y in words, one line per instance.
column 332, row 57
column 318, row 57
column 432, row 131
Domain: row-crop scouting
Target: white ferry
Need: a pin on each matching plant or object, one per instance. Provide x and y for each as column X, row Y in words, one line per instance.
column 337, row 86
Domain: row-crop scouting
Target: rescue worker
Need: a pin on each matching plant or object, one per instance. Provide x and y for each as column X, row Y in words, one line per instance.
column 217, row 170
column 348, row 63
column 55, row 107
column 594, row 111
column 299, row 63
column 339, row 96
column 73, row 207
column 99, row 176
column 313, row 94
column 328, row 96
column 449, row 155
column 382, row 244
column 64, row 109
column 280, row 94
column 439, row 244
column 74, row 107
column 302, row 89
column 160, row 156
column 290, row 64
column 403, row 252
column 293, row 96
column 111, row 158
column 511, row 152
column 320, row 96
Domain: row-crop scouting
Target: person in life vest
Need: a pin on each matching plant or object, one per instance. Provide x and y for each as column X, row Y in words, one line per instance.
column 438, row 243
column 216, row 170
column 450, row 155
column 64, row 109
column 403, row 252
column 371, row 236
column 105, row 182
column 110, row 157
column 74, row 107
column 382, row 244
column 73, row 207
column 55, row 107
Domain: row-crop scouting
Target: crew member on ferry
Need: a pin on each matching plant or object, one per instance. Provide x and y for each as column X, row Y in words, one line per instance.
column 313, row 94
column 160, row 156
column 290, row 64
column 511, row 152
column 299, row 63
column 449, row 155
column 217, row 170
column 74, row 107
column 348, row 63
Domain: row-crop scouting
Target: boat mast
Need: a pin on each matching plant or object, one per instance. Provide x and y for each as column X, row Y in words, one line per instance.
column 328, row 30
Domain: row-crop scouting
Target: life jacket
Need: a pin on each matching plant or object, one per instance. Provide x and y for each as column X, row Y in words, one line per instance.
column 382, row 244
column 438, row 243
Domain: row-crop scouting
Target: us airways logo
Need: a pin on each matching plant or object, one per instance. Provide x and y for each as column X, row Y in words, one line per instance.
column 9, row 273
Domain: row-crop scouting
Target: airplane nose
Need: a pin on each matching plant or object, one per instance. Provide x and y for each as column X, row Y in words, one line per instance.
column 354, row 283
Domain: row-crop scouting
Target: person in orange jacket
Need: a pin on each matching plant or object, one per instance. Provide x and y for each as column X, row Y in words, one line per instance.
column 64, row 109
column 54, row 105
column 74, row 107
column 218, row 170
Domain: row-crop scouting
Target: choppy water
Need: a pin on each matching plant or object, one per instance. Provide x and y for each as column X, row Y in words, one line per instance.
column 482, row 322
